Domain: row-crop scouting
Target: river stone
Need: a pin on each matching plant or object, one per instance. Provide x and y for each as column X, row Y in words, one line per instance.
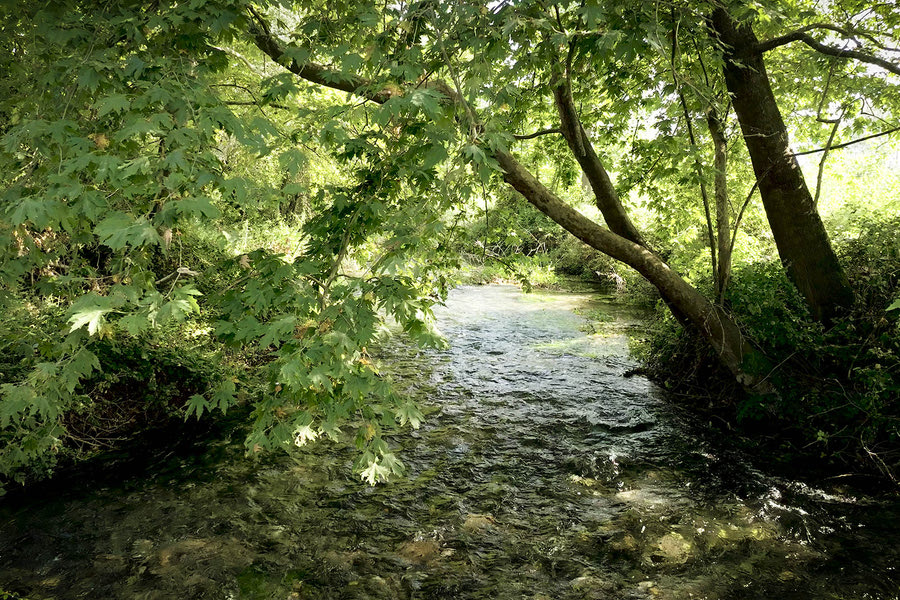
column 648, row 588
column 475, row 522
column 672, row 548
column 590, row 586
column 110, row 564
column 378, row 587
column 626, row 544
column 372, row 588
column 420, row 551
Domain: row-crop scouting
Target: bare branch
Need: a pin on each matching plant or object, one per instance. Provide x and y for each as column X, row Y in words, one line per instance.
column 850, row 143
column 821, row 173
column 698, row 167
column 801, row 36
column 531, row 136
column 850, row 33
column 247, row 103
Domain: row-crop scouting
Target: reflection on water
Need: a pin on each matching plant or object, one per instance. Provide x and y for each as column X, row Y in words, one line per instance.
column 541, row 473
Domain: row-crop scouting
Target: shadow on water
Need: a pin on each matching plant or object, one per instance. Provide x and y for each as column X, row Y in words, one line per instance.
column 541, row 473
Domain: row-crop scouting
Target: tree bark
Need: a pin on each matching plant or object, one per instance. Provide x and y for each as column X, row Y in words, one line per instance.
column 580, row 144
column 800, row 236
column 723, row 215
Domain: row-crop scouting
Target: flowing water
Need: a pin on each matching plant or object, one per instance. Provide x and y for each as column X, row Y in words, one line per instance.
column 542, row 472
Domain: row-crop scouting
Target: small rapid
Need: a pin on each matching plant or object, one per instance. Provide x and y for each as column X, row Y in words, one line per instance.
column 542, row 472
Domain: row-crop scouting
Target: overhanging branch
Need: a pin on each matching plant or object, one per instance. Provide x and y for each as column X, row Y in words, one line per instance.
column 801, row 36
column 850, row 143
column 313, row 72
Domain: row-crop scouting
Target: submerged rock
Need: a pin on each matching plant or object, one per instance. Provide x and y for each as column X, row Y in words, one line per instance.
column 475, row 522
column 420, row 551
column 593, row 587
column 672, row 548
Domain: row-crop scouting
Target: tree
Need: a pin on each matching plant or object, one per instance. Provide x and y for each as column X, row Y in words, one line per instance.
column 119, row 148
column 799, row 233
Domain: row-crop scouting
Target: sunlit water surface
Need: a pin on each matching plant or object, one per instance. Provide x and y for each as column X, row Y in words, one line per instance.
column 542, row 472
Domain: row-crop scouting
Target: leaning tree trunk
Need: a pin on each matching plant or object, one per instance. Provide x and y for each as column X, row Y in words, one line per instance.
column 723, row 216
column 605, row 195
column 711, row 321
column 579, row 143
column 800, row 236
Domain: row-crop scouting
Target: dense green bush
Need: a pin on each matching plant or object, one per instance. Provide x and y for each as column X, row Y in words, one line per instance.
column 837, row 386
column 115, row 387
column 135, row 385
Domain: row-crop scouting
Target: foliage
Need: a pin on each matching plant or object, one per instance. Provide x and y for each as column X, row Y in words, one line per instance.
column 163, row 176
column 115, row 188
column 143, row 385
column 838, row 386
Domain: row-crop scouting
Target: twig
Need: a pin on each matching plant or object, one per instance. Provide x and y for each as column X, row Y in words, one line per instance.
column 850, row 143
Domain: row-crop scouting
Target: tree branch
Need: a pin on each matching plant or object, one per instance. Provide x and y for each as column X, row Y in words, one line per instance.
column 801, row 36
column 698, row 167
column 714, row 324
column 531, row 136
column 850, row 143
column 848, row 33
column 580, row 144
column 333, row 78
column 821, row 173
column 247, row 103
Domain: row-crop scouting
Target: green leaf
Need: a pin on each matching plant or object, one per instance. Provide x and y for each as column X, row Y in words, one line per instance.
column 895, row 305
column 15, row 400
column 390, row 462
column 140, row 165
column 375, row 473
column 410, row 413
column 434, row 156
column 294, row 373
column 119, row 230
column 82, row 364
column 196, row 404
column 224, row 396
column 41, row 212
column 115, row 103
column 90, row 311
column 200, row 206
column 135, row 323
column 278, row 331
column 292, row 160
column 181, row 305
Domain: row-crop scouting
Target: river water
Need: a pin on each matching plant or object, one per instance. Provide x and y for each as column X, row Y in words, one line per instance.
column 542, row 472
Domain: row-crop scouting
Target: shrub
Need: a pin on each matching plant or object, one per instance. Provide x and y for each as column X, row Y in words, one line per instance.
column 838, row 387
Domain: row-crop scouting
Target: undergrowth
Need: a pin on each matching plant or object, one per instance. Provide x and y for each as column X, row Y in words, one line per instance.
column 838, row 388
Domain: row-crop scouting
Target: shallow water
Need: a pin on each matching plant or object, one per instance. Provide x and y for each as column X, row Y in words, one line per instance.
column 542, row 472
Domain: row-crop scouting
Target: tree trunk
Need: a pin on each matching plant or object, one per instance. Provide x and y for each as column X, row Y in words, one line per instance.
column 592, row 168
column 723, row 216
column 605, row 194
column 800, row 236
column 712, row 322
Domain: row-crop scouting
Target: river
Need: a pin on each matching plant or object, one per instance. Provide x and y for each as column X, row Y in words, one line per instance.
column 541, row 472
